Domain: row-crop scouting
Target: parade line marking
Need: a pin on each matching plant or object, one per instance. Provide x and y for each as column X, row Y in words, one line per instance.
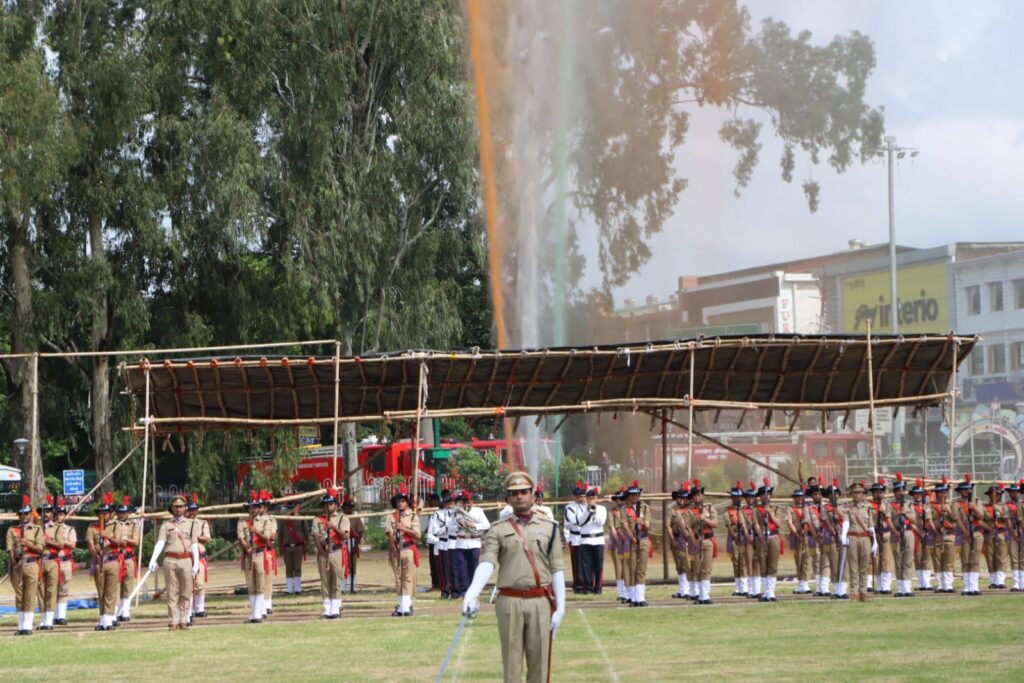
column 600, row 648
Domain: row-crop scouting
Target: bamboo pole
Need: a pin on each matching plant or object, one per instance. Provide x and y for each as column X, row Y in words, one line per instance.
column 665, row 460
column 194, row 349
column 145, row 471
column 416, row 434
column 34, row 454
column 337, row 410
column 689, row 419
column 871, row 407
column 952, row 409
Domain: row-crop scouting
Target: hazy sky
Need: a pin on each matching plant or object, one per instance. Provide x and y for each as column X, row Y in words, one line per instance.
column 951, row 86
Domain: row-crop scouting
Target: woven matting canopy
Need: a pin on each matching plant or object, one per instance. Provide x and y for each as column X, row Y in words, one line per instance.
column 757, row 372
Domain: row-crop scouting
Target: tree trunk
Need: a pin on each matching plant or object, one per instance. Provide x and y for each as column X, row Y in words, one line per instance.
column 100, row 390
column 23, row 341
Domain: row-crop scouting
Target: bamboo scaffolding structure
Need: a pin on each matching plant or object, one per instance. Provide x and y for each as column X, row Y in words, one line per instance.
column 871, row 407
column 952, row 409
column 634, row 404
column 194, row 349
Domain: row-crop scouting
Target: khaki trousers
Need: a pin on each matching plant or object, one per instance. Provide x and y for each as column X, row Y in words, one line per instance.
column 331, row 571
column 970, row 553
column 943, row 553
column 47, row 585
column 770, row 556
column 903, row 560
column 628, row 560
column 406, row 574
column 640, row 557
column 922, row 556
column 821, row 559
column 26, row 580
column 524, row 627
column 293, row 556
column 178, row 575
column 802, row 558
column 67, row 567
column 858, row 557
column 996, row 553
column 705, row 559
column 259, row 575
column 109, row 587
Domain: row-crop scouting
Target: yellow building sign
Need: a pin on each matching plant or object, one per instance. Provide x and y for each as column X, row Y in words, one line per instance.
column 922, row 300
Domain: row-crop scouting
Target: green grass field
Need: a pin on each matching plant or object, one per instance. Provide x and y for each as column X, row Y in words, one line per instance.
column 922, row 639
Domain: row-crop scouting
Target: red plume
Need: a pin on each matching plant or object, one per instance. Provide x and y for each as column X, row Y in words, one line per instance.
column 920, row 482
column 539, row 490
column 1001, row 486
column 835, row 482
column 404, row 490
column 899, row 476
column 752, row 485
column 60, row 501
column 686, row 486
column 253, row 495
column 127, row 501
column 881, row 480
column 945, row 479
column 265, row 496
column 739, row 484
column 332, row 492
column 765, row 480
column 967, row 478
column 696, row 483
column 636, row 483
column 862, row 483
column 195, row 498
column 49, row 499
column 597, row 490
column 26, row 502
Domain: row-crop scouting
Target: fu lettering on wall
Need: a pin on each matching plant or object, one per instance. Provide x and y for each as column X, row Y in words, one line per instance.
column 922, row 300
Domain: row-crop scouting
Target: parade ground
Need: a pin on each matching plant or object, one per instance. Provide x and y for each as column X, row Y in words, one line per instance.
column 928, row 637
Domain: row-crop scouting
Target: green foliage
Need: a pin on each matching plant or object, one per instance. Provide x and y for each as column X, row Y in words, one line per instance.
column 570, row 470
column 480, row 472
column 218, row 544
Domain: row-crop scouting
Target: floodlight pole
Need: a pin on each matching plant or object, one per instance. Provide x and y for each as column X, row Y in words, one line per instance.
column 664, row 489
column 145, row 468
column 337, row 392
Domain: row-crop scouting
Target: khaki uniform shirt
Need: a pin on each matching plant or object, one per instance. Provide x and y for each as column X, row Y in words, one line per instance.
column 704, row 523
column 199, row 528
column 175, row 536
column 356, row 526
column 630, row 520
column 944, row 517
column 409, row 519
column 920, row 514
column 736, row 523
column 32, row 532
column 502, row 547
column 93, row 540
column 862, row 517
column 66, row 535
column 322, row 524
column 963, row 512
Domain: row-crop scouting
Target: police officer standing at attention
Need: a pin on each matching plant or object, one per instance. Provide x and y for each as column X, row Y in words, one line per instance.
column 531, row 583
column 591, row 548
column 356, row 530
column 68, row 538
column 572, row 515
column 131, row 542
column 858, row 534
column 199, row 530
column 292, row 542
column 180, row 565
column 24, row 546
column 403, row 530
column 330, row 532
column 49, row 577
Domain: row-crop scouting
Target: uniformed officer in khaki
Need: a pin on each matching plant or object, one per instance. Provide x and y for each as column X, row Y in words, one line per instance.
column 181, row 563
column 292, row 542
column 678, row 535
column 705, row 521
column 611, row 526
column 531, row 583
column 769, row 521
column 262, row 532
column 822, row 546
column 755, row 547
column 49, row 576
column 403, row 531
column 636, row 525
column 95, row 546
column 131, row 548
column 1015, row 537
column 356, row 529
column 111, row 563
column 243, row 531
column 799, row 528
column 944, row 550
column 199, row 531
column 970, row 516
column 883, row 562
column 24, row 547
column 68, row 538
column 330, row 532
column 858, row 535
column 902, row 538
column 832, row 524
column 920, row 514
column 997, row 556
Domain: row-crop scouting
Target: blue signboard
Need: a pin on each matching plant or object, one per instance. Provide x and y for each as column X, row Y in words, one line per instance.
column 74, row 482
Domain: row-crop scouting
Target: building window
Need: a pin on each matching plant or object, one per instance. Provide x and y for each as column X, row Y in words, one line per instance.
column 978, row 361
column 996, row 359
column 1017, row 356
column 1018, row 293
column 973, row 299
column 995, row 295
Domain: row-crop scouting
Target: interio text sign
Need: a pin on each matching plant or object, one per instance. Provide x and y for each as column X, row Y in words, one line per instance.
column 922, row 306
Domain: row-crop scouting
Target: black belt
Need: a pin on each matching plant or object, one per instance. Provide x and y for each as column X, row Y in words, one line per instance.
column 573, row 533
column 129, row 556
column 336, row 546
column 51, row 556
column 772, row 533
column 709, row 536
column 641, row 537
column 408, row 544
column 29, row 560
column 592, row 535
column 292, row 545
column 111, row 558
column 257, row 551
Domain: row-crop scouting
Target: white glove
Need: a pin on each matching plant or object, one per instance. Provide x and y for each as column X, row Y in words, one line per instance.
column 195, row 558
column 844, row 537
column 874, row 547
column 195, row 570
column 159, row 548
column 471, row 602
column 558, row 586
